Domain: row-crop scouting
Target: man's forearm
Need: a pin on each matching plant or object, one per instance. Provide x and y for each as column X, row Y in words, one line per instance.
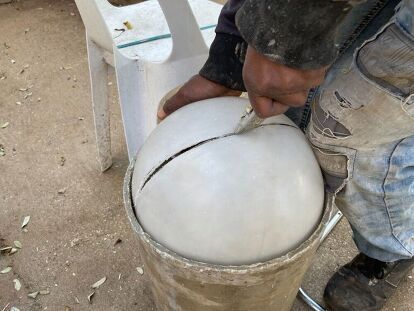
column 296, row 33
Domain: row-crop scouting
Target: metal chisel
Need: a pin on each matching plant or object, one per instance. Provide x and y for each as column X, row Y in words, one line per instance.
column 248, row 121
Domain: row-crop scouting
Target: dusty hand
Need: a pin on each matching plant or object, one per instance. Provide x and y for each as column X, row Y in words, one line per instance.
column 197, row 88
column 273, row 87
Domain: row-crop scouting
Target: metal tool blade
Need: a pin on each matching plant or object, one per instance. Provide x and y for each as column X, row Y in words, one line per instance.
column 248, row 121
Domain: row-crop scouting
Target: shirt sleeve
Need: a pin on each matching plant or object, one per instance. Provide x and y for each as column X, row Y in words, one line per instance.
column 227, row 52
column 297, row 33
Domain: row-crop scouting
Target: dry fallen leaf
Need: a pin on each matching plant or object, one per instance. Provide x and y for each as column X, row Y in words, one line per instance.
column 4, row 125
column 23, row 69
column 140, row 270
column 33, row 295
column 18, row 244
column 62, row 191
column 17, row 284
column 62, row 161
column 5, row 249
column 28, row 95
column 6, row 270
column 90, row 296
column 14, row 309
column 99, row 283
column 13, row 250
column 26, row 220
column 44, row 292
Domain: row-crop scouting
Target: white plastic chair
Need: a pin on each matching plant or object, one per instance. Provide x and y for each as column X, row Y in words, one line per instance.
column 148, row 62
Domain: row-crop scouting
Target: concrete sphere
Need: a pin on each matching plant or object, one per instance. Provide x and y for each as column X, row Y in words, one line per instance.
column 227, row 199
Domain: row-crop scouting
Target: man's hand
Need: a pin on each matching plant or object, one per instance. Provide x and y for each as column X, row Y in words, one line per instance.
column 274, row 88
column 197, row 88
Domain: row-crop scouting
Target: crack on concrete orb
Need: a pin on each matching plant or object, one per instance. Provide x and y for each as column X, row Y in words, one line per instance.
column 168, row 160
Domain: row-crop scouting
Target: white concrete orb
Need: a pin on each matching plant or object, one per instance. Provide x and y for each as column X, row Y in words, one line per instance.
column 227, row 199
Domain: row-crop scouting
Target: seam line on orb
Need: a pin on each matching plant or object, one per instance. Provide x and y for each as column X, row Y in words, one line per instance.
column 169, row 159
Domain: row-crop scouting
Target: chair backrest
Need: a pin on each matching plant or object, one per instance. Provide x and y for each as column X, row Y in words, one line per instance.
column 186, row 35
column 92, row 15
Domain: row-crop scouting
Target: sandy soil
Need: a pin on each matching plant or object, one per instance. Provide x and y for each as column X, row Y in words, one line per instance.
column 78, row 232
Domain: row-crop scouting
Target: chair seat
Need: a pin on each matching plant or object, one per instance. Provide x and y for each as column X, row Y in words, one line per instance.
column 148, row 21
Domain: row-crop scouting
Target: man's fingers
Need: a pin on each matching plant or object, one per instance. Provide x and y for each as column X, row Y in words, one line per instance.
column 161, row 114
column 172, row 104
column 293, row 100
column 188, row 93
column 196, row 89
column 272, row 85
column 266, row 107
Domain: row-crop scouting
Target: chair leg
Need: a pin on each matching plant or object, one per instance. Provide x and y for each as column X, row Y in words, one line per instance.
column 139, row 117
column 98, row 70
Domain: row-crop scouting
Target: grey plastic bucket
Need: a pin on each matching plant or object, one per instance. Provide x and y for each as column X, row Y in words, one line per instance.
column 185, row 285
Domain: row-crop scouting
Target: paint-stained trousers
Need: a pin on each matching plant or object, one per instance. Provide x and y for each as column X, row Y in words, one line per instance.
column 362, row 132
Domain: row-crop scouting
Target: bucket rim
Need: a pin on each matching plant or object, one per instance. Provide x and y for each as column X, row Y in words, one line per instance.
column 177, row 259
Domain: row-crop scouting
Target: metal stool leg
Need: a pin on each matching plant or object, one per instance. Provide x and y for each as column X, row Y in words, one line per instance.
column 302, row 294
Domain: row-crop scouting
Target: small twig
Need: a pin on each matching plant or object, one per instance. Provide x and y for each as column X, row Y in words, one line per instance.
column 6, row 307
column 122, row 30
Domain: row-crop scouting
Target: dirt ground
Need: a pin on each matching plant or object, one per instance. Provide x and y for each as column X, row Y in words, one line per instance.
column 78, row 231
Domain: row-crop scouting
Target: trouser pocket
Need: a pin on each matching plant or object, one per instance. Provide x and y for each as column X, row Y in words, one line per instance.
column 336, row 164
column 371, row 103
column 388, row 61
